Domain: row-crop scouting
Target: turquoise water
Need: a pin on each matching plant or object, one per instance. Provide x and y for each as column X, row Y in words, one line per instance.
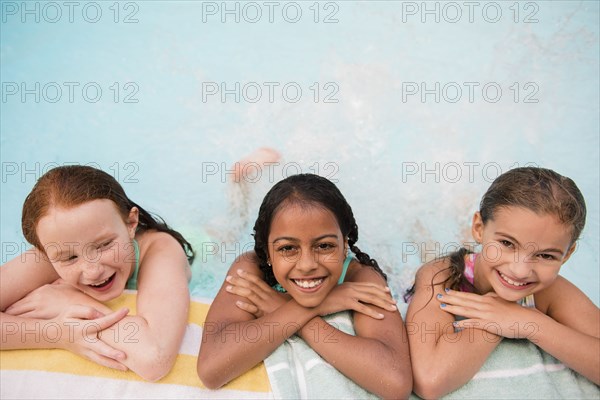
column 134, row 93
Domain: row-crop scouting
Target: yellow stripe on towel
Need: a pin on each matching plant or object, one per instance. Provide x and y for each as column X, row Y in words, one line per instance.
column 196, row 316
column 183, row 372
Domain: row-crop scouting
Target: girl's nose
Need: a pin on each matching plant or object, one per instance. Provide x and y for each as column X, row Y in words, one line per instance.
column 307, row 262
column 91, row 270
column 521, row 269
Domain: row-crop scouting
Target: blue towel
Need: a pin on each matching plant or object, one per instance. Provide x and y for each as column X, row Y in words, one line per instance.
column 296, row 371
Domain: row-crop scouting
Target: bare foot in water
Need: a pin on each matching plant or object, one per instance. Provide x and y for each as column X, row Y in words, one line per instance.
column 247, row 167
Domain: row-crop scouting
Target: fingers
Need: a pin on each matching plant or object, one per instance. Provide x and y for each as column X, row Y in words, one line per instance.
column 102, row 349
column 111, row 319
column 386, row 303
column 105, row 361
column 100, row 320
column 462, row 296
column 82, row 312
column 375, row 295
column 251, row 308
column 19, row 308
column 240, row 291
column 248, row 286
column 368, row 311
column 254, row 279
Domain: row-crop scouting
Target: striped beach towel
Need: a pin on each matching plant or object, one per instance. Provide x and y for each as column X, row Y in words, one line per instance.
column 59, row 374
column 518, row 369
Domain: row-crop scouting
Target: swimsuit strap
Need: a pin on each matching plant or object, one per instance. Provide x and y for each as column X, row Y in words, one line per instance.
column 470, row 268
column 132, row 282
column 345, row 269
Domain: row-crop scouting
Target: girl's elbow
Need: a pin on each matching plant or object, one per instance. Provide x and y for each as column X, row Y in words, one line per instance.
column 209, row 379
column 400, row 385
column 428, row 386
column 156, row 365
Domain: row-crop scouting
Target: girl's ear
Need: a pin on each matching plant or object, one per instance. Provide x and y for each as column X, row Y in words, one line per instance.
column 132, row 221
column 569, row 253
column 477, row 227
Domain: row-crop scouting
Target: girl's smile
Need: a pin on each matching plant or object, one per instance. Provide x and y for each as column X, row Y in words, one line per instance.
column 306, row 249
column 90, row 246
column 522, row 252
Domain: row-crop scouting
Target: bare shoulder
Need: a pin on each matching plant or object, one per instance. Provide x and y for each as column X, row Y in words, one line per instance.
column 428, row 283
column 358, row 272
column 567, row 304
column 162, row 262
column 223, row 309
column 152, row 242
column 248, row 262
column 559, row 295
column 433, row 273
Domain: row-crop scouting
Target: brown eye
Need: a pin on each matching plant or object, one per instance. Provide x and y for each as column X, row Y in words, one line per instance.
column 286, row 249
column 325, row 246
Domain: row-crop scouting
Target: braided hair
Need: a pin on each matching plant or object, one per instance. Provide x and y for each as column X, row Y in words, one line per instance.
column 308, row 189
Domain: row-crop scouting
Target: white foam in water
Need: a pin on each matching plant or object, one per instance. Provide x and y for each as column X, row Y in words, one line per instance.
column 377, row 144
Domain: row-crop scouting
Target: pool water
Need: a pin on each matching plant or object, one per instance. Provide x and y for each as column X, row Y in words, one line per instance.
column 391, row 106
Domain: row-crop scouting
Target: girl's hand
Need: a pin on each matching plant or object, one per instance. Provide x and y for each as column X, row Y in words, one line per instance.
column 490, row 313
column 355, row 296
column 78, row 333
column 47, row 301
column 262, row 299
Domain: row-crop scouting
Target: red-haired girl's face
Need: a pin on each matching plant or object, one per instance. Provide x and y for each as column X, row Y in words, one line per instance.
column 522, row 252
column 90, row 246
column 307, row 251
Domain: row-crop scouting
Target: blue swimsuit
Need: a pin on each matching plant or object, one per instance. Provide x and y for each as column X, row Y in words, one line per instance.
column 280, row 288
column 132, row 282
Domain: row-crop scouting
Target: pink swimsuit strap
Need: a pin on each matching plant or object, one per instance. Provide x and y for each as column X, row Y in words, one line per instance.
column 469, row 272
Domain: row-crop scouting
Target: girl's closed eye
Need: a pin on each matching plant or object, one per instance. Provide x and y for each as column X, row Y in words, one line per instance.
column 105, row 245
column 68, row 260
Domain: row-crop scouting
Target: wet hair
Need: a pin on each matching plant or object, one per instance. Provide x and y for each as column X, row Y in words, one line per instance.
column 72, row 185
column 306, row 190
column 540, row 190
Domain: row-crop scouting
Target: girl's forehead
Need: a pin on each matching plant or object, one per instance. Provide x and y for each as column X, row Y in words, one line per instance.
column 303, row 217
column 83, row 220
column 546, row 230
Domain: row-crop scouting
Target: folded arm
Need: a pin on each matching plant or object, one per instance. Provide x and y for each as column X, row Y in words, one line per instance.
column 377, row 357
column 442, row 360
column 146, row 343
column 234, row 340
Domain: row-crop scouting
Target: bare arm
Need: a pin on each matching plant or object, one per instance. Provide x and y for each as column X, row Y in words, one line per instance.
column 442, row 359
column 233, row 340
column 565, row 323
column 573, row 333
column 23, row 274
column 571, row 329
column 377, row 358
column 152, row 337
column 147, row 342
column 73, row 328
